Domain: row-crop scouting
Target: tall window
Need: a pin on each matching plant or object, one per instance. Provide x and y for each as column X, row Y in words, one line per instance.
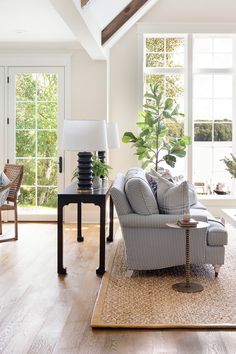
column 166, row 60
column 212, row 109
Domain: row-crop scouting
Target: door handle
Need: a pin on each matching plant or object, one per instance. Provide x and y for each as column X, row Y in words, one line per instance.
column 60, row 164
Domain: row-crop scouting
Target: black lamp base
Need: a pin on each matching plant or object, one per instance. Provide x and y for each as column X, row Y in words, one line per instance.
column 102, row 157
column 85, row 172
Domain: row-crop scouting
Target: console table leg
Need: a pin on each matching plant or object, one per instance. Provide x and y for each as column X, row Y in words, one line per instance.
column 101, row 269
column 60, row 268
column 111, row 221
column 79, row 223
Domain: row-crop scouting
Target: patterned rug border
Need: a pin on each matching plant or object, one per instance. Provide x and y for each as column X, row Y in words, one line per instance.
column 97, row 321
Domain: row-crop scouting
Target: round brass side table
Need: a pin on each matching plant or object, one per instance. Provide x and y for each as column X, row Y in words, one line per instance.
column 187, row 286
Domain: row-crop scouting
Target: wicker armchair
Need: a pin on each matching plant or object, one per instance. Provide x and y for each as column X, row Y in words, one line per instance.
column 15, row 175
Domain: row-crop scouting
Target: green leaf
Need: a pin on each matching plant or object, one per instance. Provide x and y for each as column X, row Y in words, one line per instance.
column 166, row 114
column 168, row 103
column 129, row 137
column 170, row 160
column 175, row 112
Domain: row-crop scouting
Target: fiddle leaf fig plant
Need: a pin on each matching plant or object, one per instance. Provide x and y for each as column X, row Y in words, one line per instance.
column 156, row 142
column 230, row 164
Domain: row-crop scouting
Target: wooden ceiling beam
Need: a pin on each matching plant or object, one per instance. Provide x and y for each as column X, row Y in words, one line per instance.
column 84, row 2
column 121, row 18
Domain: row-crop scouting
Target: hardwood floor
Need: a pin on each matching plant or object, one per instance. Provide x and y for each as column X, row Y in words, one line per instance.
column 43, row 313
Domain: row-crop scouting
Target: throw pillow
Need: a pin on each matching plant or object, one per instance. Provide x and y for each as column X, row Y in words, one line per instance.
column 4, row 180
column 139, row 193
column 152, row 183
column 171, row 198
column 178, row 180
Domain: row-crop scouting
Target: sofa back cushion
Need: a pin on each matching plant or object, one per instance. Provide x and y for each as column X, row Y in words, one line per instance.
column 139, row 193
column 119, row 197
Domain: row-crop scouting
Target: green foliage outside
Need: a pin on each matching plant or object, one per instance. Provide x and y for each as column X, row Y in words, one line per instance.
column 213, row 131
column 36, row 137
column 156, row 142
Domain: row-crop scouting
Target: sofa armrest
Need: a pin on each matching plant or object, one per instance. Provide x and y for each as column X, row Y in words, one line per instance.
column 147, row 221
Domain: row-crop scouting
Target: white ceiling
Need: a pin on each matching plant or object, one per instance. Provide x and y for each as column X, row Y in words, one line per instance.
column 104, row 11
column 32, row 21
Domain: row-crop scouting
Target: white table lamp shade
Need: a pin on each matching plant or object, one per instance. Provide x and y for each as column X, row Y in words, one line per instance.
column 84, row 135
column 113, row 138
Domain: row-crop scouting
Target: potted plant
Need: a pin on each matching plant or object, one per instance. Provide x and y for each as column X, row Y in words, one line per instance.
column 100, row 169
column 156, row 142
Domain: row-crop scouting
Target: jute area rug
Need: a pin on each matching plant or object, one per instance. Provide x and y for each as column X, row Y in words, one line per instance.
column 146, row 298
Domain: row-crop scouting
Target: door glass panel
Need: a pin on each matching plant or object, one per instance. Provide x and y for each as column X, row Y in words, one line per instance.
column 36, row 137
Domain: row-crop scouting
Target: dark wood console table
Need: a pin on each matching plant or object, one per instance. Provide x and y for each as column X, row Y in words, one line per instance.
column 98, row 197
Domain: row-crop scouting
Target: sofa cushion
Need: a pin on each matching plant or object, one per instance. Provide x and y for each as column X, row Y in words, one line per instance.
column 119, row 197
column 139, row 193
column 171, row 198
column 217, row 234
column 4, row 181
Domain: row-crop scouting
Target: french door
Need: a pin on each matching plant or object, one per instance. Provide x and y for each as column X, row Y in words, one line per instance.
column 34, row 128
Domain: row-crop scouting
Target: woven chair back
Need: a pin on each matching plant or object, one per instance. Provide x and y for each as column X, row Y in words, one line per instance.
column 15, row 175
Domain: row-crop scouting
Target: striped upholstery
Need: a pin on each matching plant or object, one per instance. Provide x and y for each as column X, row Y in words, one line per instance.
column 139, row 193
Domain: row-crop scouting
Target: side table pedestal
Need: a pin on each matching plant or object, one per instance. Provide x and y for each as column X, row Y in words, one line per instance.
column 187, row 286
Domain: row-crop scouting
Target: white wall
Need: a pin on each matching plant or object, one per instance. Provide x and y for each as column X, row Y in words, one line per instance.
column 88, row 101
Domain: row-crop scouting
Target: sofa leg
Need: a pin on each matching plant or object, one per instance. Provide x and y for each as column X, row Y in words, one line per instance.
column 217, row 269
column 129, row 273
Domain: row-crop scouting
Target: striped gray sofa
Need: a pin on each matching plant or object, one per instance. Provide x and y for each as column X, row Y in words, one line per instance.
column 149, row 243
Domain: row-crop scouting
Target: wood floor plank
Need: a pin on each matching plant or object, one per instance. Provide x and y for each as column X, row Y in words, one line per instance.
column 42, row 313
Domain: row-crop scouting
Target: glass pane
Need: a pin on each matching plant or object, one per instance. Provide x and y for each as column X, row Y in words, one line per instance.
column 155, row 44
column 223, row 132
column 29, row 171
column 47, row 116
column 47, row 172
column 202, row 109
column 47, row 197
column 203, row 60
column 222, row 86
column 222, row 61
column 25, row 115
column 155, row 60
column 174, row 86
column 175, row 44
column 25, row 87
column 203, row 86
column 223, row 45
column 155, row 79
column 25, row 143
column 47, row 87
column 203, row 45
column 202, row 165
column 175, row 60
column 203, row 131
column 27, row 196
column 222, row 109
column 47, row 143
